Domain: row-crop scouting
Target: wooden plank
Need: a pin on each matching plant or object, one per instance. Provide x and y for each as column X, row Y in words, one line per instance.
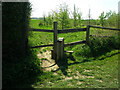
column 41, row 30
column 71, row 30
column 105, row 28
column 74, row 43
column 42, row 46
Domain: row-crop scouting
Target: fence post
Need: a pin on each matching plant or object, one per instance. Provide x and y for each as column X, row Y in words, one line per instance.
column 55, row 41
column 87, row 34
column 60, row 49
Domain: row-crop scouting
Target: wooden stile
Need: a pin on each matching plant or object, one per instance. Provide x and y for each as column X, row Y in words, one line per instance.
column 60, row 49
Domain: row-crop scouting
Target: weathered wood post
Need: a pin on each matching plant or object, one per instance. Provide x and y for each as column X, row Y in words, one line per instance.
column 54, row 55
column 60, row 49
column 87, row 34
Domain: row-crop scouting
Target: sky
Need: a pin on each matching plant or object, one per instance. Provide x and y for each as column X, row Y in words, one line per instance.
column 41, row 7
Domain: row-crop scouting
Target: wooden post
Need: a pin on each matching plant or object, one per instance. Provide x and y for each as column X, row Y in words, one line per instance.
column 87, row 34
column 55, row 41
column 60, row 49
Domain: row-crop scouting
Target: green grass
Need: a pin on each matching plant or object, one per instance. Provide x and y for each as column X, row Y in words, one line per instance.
column 93, row 66
column 35, row 24
column 99, row 73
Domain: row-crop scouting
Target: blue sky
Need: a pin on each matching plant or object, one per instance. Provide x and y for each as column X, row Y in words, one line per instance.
column 41, row 7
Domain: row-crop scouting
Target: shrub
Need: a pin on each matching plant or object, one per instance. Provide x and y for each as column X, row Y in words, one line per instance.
column 97, row 46
column 19, row 62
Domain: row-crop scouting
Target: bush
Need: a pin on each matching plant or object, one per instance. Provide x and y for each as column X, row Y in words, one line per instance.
column 97, row 46
column 15, row 22
column 19, row 63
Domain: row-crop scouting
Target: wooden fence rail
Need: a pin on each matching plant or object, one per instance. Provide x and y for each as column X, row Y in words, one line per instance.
column 42, row 46
column 74, row 43
column 59, row 31
column 104, row 28
column 71, row 30
column 41, row 30
column 58, row 45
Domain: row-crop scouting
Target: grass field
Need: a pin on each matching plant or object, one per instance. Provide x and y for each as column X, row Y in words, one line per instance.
column 93, row 67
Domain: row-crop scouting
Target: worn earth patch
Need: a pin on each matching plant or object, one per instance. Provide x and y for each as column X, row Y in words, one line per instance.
column 47, row 63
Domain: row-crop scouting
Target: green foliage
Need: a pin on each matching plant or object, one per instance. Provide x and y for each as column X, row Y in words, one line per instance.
column 44, row 19
column 102, row 18
column 15, row 24
column 112, row 19
column 79, row 18
column 62, row 16
column 20, row 64
column 109, row 19
column 97, row 46
column 75, row 16
column 50, row 19
column 23, row 72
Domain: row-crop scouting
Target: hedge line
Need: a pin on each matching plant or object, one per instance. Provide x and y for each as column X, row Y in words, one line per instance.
column 15, row 22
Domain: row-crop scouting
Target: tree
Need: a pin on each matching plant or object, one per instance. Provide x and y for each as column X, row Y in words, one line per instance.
column 119, row 14
column 112, row 19
column 79, row 18
column 49, row 19
column 62, row 16
column 44, row 19
column 89, row 15
column 75, row 16
column 103, row 17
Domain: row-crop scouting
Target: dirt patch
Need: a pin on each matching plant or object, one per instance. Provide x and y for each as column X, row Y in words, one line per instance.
column 69, row 71
column 68, row 78
column 82, row 76
column 76, row 77
column 89, row 76
column 99, row 81
column 47, row 63
column 88, row 71
column 70, row 84
column 79, row 83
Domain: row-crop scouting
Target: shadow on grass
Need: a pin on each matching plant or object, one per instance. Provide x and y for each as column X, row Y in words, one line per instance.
column 90, row 60
column 21, row 72
column 63, row 64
